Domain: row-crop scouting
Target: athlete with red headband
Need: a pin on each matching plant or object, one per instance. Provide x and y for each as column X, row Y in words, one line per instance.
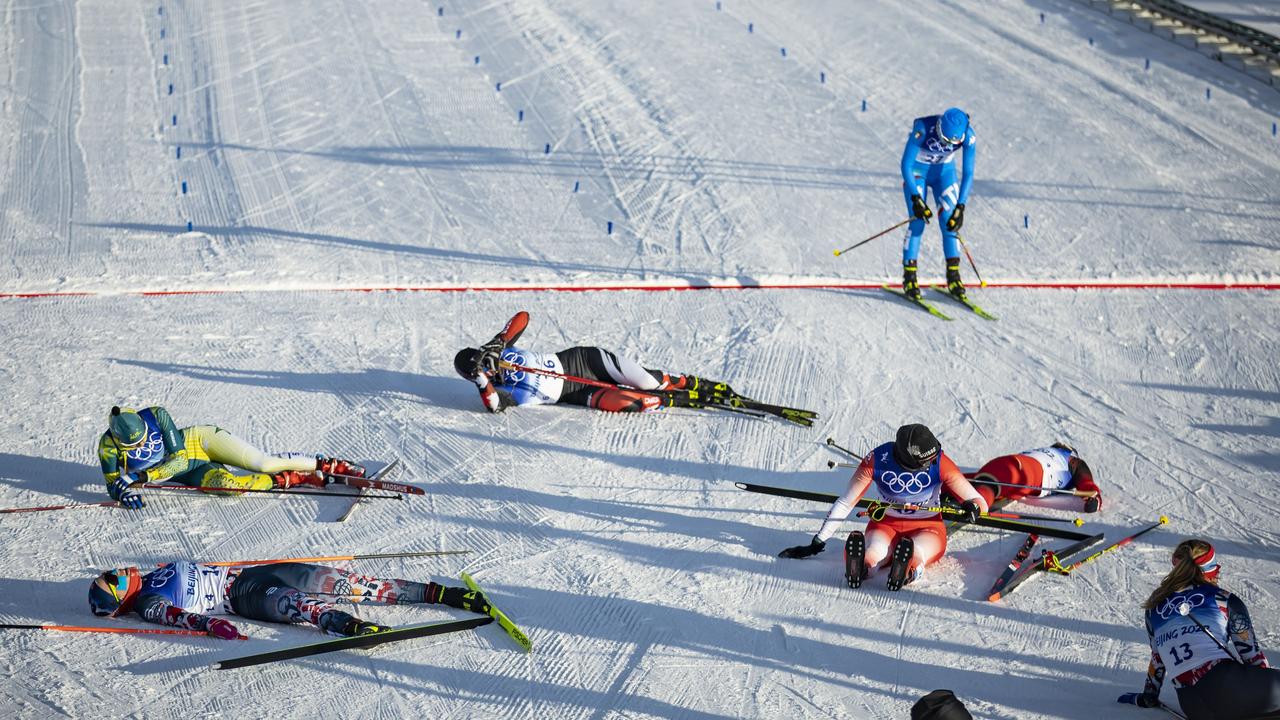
column 189, row 595
column 1038, row 474
column 910, row 470
column 502, row 386
column 1202, row 634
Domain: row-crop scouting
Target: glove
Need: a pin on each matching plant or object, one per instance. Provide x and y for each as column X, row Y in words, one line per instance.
column 220, row 628
column 490, row 355
column 957, row 218
column 972, row 510
column 1093, row 504
column 814, row 547
column 120, row 492
column 1141, row 699
column 919, row 209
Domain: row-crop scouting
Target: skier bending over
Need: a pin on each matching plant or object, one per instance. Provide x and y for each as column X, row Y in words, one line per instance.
column 187, row 595
column 928, row 163
column 146, row 446
column 911, row 469
column 1203, row 634
column 502, row 386
column 1040, row 471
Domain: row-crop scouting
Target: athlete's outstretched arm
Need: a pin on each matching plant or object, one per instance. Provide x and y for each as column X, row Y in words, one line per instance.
column 957, row 485
column 909, row 158
column 845, row 504
column 1240, row 630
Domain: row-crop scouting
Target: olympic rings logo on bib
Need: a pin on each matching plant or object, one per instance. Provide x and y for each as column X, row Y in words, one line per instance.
column 152, row 446
column 1170, row 608
column 514, row 377
column 909, row 483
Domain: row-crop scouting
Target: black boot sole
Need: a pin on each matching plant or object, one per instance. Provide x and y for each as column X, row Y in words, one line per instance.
column 855, row 551
column 902, row 553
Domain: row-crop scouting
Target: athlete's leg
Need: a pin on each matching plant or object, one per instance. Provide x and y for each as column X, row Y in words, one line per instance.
column 1004, row 469
column 223, row 447
column 946, row 192
column 880, row 535
column 217, row 477
column 623, row 400
column 930, row 538
column 1232, row 690
column 264, row 592
column 915, row 231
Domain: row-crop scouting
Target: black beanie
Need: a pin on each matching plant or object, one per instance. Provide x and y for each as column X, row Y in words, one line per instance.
column 915, row 446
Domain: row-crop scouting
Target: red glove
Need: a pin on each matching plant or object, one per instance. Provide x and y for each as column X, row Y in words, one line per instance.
column 220, row 628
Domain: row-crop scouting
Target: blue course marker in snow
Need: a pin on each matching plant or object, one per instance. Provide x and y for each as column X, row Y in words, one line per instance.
column 170, row 88
column 546, row 149
column 751, row 27
column 609, row 228
column 822, row 77
column 1041, row 18
column 477, row 60
column 520, row 116
column 189, row 227
column 179, row 152
column 575, row 185
column 1206, row 93
column 175, row 120
column 457, row 34
column 1273, row 129
column 1026, row 221
column 166, row 58
column 717, row 4
column 184, row 187
column 499, row 86
column 440, row 11
column 1147, row 64
column 864, row 104
column 161, row 33
column 784, row 52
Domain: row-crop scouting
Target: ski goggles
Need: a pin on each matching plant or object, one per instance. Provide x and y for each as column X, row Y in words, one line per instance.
column 116, row 588
column 945, row 139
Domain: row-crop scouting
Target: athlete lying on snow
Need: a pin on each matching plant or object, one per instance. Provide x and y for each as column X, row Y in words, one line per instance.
column 502, row 386
column 146, row 446
column 187, row 595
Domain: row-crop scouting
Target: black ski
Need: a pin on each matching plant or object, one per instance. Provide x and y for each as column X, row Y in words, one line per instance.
column 360, row 642
column 737, row 403
column 1001, row 523
column 1029, row 569
column 1019, row 558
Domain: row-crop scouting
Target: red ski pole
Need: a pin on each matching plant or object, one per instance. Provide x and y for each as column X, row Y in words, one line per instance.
column 61, row 507
column 239, row 491
column 125, row 630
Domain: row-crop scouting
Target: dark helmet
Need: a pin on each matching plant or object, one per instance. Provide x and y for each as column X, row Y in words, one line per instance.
column 126, row 426
column 915, row 447
column 113, row 591
column 464, row 363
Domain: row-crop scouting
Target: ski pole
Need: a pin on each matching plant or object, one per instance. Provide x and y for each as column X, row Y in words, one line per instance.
column 832, row 443
column 873, row 237
column 1065, row 491
column 710, row 402
column 128, row 630
column 208, row 490
column 60, row 507
column 963, row 244
column 1052, row 564
column 956, row 511
column 1184, row 609
column 334, row 558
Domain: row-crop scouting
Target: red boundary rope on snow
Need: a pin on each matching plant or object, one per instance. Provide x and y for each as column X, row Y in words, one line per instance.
column 657, row 287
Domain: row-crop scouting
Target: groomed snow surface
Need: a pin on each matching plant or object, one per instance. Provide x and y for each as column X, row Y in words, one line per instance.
column 331, row 143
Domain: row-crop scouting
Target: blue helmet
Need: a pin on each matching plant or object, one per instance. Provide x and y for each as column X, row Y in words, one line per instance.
column 952, row 125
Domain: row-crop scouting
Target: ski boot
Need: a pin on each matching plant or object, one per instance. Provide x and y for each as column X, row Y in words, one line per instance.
column 910, row 285
column 292, row 478
column 465, row 599
column 955, row 285
column 855, row 566
column 357, row 627
column 695, row 384
column 900, row 571
column 333, row 466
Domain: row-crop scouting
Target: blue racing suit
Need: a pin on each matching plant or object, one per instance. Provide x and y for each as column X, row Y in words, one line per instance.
column 928, row 163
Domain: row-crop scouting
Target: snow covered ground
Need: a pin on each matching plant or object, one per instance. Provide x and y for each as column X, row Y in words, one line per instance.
column 332, row 143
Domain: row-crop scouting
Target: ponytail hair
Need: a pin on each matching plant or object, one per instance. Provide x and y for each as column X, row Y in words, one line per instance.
column 1186, row 571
